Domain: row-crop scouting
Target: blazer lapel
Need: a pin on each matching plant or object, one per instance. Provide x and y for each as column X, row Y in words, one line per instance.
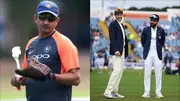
column 158, row 34
column 149, row 33
column 118, row 24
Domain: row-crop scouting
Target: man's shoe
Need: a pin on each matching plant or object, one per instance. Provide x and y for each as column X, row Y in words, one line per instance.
column 116, row 95
column 108, row 95
column 159, row 96
column 146, row 95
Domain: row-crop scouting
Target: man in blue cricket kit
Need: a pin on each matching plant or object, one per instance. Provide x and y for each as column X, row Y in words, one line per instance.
column 54, row 55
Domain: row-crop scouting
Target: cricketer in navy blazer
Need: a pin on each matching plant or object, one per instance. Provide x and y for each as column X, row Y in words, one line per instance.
column 146, row 41
column 116, row 39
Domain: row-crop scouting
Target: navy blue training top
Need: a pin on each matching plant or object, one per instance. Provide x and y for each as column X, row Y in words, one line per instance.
column 58, row 53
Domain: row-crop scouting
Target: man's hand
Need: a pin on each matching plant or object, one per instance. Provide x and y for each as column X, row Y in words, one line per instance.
column 117, row 53
column 17, row 82
column 36, row 71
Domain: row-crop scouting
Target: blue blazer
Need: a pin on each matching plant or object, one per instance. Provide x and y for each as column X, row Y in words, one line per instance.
column 116, row 39
column 146, row 41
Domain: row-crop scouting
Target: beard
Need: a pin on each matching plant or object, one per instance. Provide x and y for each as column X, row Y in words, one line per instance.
column 152, row 25
column 119, row 19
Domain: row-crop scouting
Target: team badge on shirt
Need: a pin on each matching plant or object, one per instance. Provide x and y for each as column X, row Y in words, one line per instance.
column 47, row 48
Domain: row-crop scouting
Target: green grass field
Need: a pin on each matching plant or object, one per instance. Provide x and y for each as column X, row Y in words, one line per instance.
column 132, row 86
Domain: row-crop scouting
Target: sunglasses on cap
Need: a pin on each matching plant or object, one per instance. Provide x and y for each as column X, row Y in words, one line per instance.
column 154, row 20
column 49, row 17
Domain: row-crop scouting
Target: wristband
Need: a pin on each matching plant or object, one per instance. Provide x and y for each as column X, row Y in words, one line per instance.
column 53, row 76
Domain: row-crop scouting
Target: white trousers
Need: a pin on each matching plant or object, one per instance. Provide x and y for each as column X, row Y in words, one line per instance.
column 116, row 75
column 152, row 60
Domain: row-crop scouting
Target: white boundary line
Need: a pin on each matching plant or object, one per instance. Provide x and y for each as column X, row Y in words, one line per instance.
column 73, row 99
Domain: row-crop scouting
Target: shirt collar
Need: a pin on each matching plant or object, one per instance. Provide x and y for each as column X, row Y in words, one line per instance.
column 154, row 29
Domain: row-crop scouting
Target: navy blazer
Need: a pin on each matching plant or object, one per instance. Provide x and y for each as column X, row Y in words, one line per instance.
column 116, row 39
column 146, row 41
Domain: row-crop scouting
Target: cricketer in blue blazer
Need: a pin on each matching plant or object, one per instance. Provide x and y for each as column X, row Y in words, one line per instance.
column 152, row 40
column 118, row 50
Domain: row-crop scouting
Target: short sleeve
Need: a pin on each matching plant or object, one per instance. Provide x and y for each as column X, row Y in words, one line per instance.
column 68, row 52
column 69, row 57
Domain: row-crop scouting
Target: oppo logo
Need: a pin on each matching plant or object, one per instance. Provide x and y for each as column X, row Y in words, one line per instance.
column 40, row 56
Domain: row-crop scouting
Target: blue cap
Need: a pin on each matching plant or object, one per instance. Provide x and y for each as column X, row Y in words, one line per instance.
column 48, row 7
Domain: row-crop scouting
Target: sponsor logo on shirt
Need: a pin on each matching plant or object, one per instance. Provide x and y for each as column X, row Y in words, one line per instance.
column 40, row 56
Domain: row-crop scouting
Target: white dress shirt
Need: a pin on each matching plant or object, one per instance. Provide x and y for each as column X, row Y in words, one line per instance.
column 153, row 38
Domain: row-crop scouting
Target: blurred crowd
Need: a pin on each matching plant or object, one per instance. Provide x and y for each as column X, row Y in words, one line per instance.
column 100, row 44
column 99, row 48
